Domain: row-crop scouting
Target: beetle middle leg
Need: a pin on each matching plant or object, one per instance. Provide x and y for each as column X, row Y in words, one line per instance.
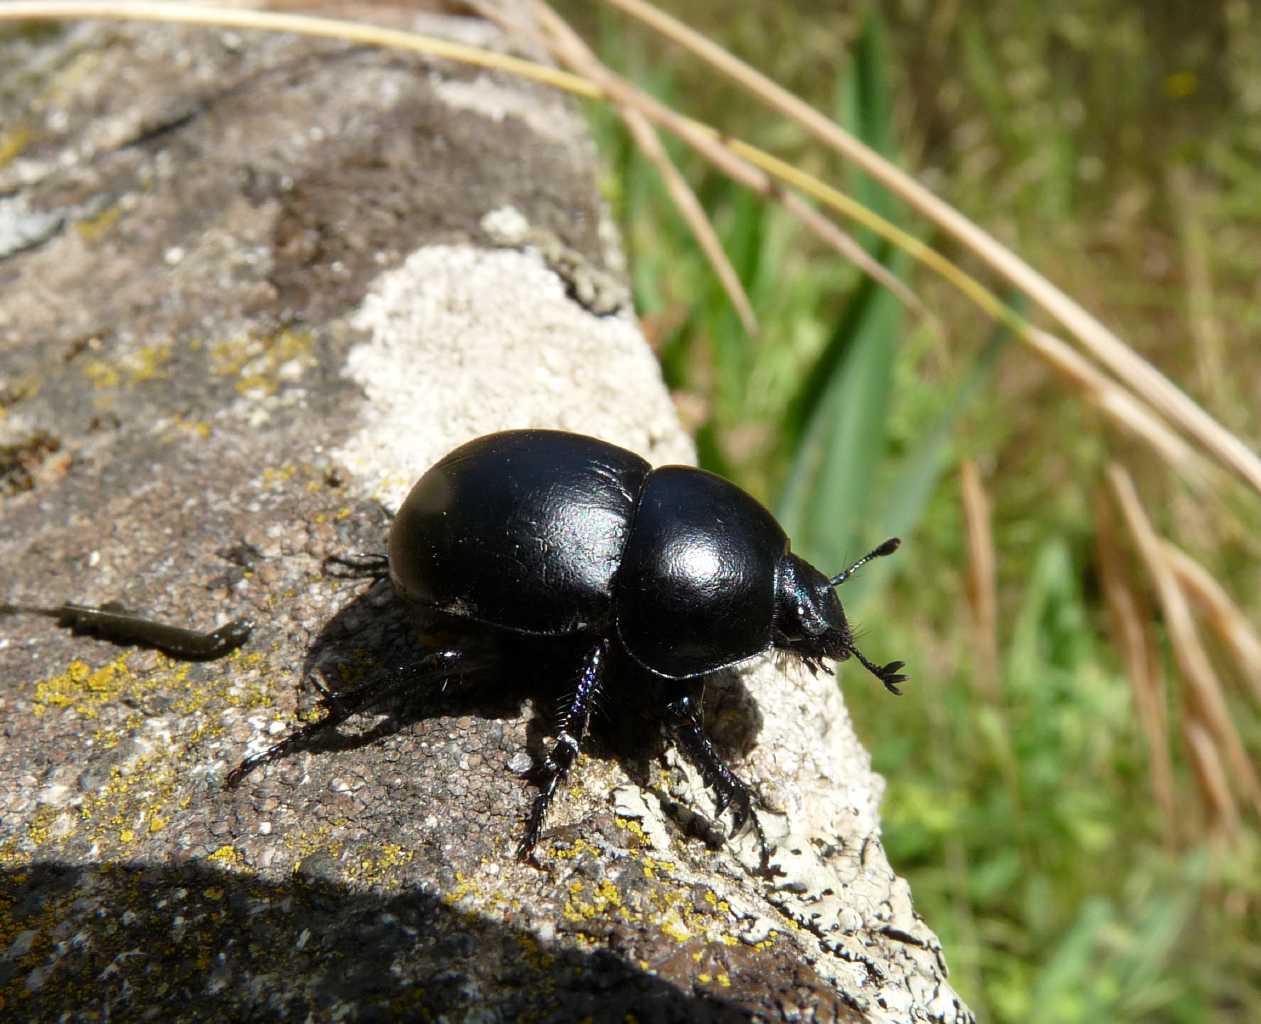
column 560, row 759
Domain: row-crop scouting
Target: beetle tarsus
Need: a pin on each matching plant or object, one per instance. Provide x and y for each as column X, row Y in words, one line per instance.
column 741, row 813
column 534, row 823
column 720, row 802
column 815, row 665
column 888, row 674
column 337, row 713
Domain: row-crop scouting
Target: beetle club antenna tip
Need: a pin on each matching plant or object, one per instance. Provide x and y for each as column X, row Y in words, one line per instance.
column 887, row 548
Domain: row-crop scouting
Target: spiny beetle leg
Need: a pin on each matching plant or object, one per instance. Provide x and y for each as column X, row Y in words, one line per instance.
column 342, row 705
column 685, row 721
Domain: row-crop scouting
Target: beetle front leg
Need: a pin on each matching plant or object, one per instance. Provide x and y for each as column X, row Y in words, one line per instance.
column 684, row 718
column 560, row 759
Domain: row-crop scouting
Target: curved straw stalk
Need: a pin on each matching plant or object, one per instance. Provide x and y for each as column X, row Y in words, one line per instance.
column 1128, row 365
column 570, row 49
column 1204, row 698
column 563, row 44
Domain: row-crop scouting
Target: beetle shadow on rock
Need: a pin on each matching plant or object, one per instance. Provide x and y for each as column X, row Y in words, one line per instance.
column 375, row 634
column 362, row 647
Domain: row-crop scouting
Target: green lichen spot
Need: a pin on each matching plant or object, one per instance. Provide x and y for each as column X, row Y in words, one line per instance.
column 633, row 826
column 147, row 363
column 12, row 143
column 262, row 364
column 101, row 374
column 376, row 866
column 673, row 927
column 18, row 389
column 83, row 688
column 579, row 847
column 226, row 857
column 92, row 229
column 41, row 827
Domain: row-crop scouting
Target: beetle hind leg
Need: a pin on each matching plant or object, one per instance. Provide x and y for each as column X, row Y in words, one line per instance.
column 442, row 664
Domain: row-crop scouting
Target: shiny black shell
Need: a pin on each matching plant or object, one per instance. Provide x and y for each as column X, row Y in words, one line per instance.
column 696, row 589
column 523, row 530
column 549, row 533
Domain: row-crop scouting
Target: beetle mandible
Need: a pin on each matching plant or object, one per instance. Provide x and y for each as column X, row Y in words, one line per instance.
column 566, row 538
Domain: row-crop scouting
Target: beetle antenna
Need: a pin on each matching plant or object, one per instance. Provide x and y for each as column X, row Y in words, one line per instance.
column 887, row 548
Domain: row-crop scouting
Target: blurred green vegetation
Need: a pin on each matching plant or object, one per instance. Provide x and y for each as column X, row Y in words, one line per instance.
column 1117, row 147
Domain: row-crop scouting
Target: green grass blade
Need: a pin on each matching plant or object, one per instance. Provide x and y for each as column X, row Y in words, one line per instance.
column 845, row 432
column 837, row 423
column 901, row 504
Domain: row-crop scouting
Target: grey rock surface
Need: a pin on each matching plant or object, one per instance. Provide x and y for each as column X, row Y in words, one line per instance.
column 248, row 292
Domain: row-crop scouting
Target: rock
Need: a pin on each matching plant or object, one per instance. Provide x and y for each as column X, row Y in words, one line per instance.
column 246, row 297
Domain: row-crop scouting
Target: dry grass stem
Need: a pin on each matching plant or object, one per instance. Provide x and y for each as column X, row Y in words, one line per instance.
column 850, row 249
column 1123, row 408
column 731, row 155
column 1119, row 405
column 982, row 588
column 1221, row 613
column 299, row 24
column 1132, row 635
column 569, row 48
column 721, row 153
column 1204, row 693
column 1127, row 364
column 1210, row 776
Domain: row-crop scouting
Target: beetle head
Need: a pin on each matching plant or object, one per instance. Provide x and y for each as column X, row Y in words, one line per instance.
column 809, row 619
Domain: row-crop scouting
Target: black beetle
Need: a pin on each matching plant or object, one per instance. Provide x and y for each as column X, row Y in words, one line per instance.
column 581, row 544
